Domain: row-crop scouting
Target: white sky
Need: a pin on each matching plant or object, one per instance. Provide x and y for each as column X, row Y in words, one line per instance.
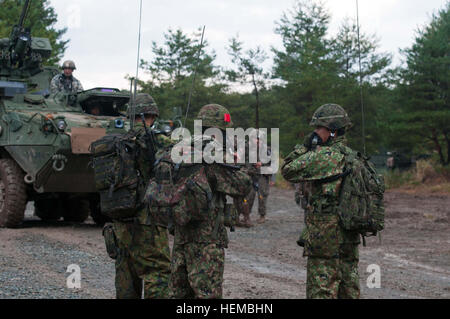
column 103, row 33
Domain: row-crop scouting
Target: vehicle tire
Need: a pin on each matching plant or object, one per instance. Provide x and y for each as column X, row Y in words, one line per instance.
column 76, row 210
column 13, row 195
column 48, row 209
column 97, row 215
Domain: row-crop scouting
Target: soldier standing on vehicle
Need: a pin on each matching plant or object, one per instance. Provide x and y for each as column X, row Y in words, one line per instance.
column 65, row 82
column 143, row 260
column 198, row 254
column 332, row 267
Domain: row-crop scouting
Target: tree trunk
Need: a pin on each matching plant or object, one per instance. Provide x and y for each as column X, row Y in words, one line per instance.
column 438, row 146
column 257, row 102
column 447, row 140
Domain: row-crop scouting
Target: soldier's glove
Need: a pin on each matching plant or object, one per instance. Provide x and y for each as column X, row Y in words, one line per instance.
column 312, row 141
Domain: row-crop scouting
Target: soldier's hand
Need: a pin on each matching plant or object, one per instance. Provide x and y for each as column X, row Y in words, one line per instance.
column 312, row 140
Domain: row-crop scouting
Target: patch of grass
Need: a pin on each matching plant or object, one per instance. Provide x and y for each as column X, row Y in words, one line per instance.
column 426, row 175
column 396, row 178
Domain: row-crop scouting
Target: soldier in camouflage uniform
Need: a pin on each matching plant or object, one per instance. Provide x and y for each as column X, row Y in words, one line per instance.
column 143, row 260
column 332, row 267
column 198, row 254
column 65, row 82
column 244, row 204
column 261, row 188
column 262, row 191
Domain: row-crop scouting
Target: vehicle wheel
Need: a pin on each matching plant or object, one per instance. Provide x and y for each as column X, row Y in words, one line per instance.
column 48, row 209
column 97, row 215
column 76, row 210
column 13, row 196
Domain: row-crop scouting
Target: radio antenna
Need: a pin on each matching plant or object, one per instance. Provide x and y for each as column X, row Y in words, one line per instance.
column 133, row 104
column 360, row 83
column 195, row 74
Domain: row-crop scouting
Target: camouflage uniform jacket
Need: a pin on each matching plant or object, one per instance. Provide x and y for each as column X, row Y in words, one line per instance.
column 303, row 166
column 223, row 181
column 62, row 83
column 143, row 160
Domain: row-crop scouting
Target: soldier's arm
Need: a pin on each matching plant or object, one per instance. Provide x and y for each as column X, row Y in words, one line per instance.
column 318, row 164
column 54, row 85
column 230, row 181
column 164, row 141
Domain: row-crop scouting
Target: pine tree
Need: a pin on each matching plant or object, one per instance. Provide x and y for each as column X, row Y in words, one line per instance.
column 424, row 88
column 41, row 18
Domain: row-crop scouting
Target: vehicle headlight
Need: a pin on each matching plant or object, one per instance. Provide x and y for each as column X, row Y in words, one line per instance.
column 62, row 125
column 119, row 123
column 167, row 129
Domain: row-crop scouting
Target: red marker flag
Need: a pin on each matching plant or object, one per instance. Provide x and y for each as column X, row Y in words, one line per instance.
column 227, row 118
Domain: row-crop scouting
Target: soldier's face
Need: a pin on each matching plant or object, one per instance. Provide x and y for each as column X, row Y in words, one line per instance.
column 68, row 72
column 323, row 132
column 149, row 119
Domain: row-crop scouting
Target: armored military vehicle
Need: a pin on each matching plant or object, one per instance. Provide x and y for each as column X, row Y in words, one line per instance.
column 45, row 138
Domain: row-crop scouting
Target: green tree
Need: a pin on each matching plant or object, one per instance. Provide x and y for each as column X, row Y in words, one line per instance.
column 41, row 18
column 319, row 68
column 172, row 69
column 248, row 69
column 424, row 118
column 348, row 51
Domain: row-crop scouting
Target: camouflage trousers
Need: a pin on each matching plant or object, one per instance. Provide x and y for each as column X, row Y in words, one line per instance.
column 143, row 261
column 197, row 271
column 334, row 278
column 263, row 193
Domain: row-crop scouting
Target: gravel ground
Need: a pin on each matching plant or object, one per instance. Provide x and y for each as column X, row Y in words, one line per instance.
column 261, row 262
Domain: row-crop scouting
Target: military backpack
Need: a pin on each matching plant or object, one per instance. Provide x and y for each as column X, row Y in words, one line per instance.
column 117, row 177
column 181, row 193
column 361, row 207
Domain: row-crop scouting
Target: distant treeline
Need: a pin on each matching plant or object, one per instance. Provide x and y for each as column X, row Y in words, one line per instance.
column 406, row 109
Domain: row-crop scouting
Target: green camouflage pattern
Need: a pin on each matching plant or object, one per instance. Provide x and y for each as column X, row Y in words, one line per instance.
column 143, row 258
column 324, row 238
column 331, row 116
column 62, row 83
column 332, row 278
column 211, row 228
column 143, row 243
column 145, row 104
column 197, row 271
column 198, row 251
column 161, row 142
column 361, row 206
column 214, row 115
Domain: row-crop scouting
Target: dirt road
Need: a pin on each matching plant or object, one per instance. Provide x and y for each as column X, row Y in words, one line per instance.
column 261, row 262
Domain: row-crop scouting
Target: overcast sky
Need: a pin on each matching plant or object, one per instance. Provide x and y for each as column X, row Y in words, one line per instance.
column 104, row 33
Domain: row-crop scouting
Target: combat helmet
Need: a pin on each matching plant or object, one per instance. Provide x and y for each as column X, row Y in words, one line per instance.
column 69, row 64
column 215, row 115
column 331, row 116
column 145, row 104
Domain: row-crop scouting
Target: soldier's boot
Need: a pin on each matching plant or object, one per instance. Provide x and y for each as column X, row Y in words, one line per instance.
column 247, row 222
column 261, row 220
